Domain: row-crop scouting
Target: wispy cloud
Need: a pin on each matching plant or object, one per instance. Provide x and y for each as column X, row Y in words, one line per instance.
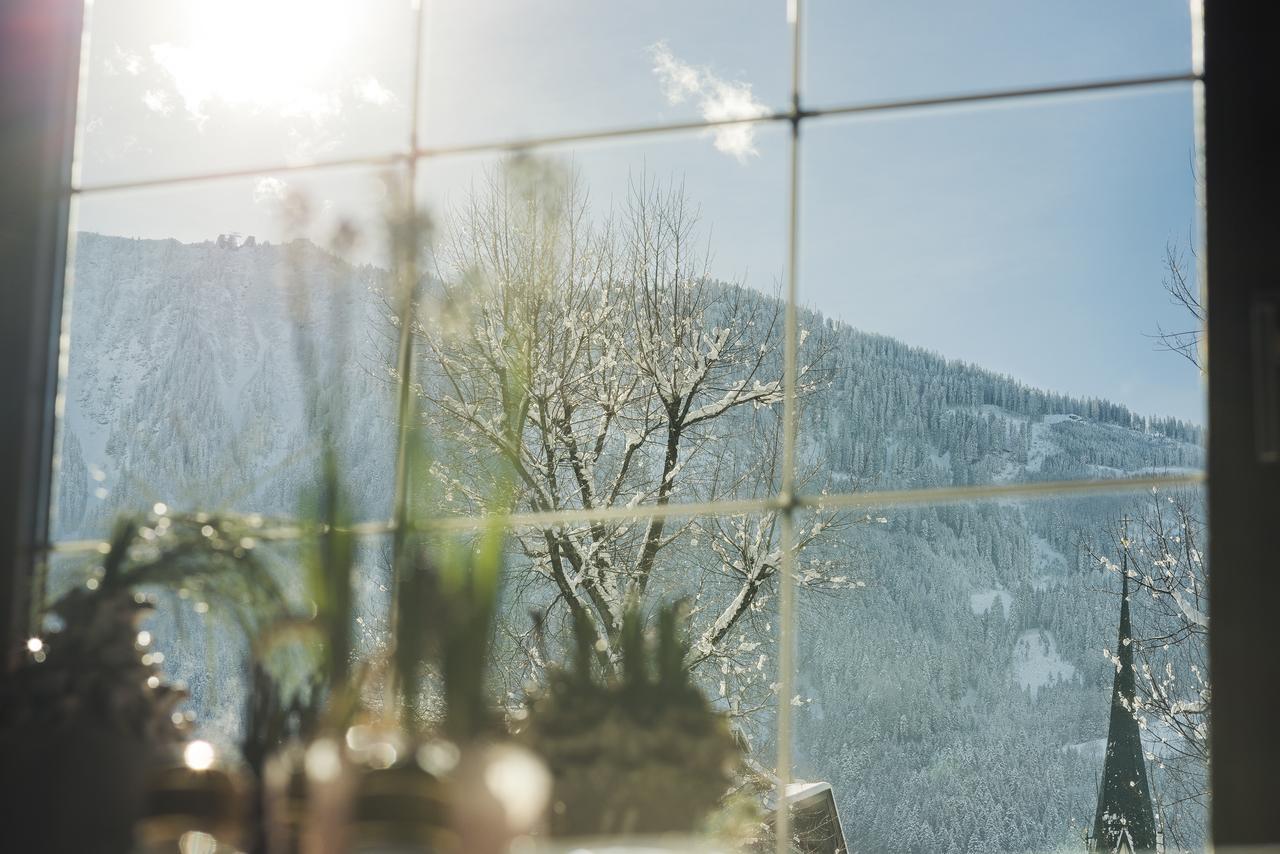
column 123, row 62
column 369, row 90
column 157, row 101
column 270, row 191
column 204, row 74
column 717, row 100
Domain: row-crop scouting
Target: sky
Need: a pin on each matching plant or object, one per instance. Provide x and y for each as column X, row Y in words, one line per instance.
column 1026, row 237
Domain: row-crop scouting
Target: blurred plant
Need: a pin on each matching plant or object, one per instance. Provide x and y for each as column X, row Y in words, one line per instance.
column 293, row 698
column 639, row 751
column 448, row 605
column 88, row 715
column 94, row 664
column 406, row 727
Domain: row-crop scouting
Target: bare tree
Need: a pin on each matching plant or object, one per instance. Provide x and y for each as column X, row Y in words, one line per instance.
column 1178, row 285
column 1174, row 574
column 1160, row 549
column 599, row 361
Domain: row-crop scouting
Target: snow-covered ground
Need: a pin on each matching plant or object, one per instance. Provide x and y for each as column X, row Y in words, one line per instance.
column 1094, row 748
column 1042, row 444
column 1158, row 740
column 982, row 601
column 1036, row 662
column 1048, row 559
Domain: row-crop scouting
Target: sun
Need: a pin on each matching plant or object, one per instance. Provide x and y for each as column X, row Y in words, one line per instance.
column 284, row 56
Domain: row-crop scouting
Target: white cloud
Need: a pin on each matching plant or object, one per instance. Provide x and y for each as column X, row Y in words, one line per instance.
column 123, row 62
column 157, row 101
column 193, row 86
column 369, row 90
column 283, row 57
column 717, row 99
column 269, row 191
column 201, row 75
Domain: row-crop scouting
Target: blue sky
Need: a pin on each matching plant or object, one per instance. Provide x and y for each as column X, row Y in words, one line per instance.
column 1026, row 238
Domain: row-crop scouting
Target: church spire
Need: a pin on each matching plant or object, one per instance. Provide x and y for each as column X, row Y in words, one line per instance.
column 1124, row 819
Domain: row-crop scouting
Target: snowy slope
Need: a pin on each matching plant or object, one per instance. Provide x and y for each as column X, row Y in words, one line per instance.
column 184, row 383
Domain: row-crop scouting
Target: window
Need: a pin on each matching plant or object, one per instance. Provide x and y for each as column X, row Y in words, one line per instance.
column 893, row 555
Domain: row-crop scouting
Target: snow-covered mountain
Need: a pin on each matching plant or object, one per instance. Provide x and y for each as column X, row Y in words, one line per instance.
column 183, row 382
column 941, row 700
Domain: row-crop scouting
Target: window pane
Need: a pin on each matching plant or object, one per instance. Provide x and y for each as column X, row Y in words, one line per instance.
column 608, row 318
column 498, row 71
column 988, row 291
column 959, row 697
column 216, row 332
column 189, row 87
column 856, row 52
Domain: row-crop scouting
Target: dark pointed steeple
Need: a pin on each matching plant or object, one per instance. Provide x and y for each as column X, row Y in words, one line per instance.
column 1124, row 819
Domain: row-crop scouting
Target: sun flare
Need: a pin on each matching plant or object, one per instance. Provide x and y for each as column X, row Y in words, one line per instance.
column 272, row 55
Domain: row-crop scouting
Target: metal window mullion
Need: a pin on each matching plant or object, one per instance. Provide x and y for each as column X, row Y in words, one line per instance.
column 1030, row 491
column 787, row 640
column 519, row 144
column 848, row 500
column 404, row 359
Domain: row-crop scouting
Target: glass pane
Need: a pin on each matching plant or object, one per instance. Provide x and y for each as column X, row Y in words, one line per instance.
column 189, row 87
column 859, row 51
column 959, row 696
column 500, row 71
column 215, row 330
column 608, row 319
column 988, row 290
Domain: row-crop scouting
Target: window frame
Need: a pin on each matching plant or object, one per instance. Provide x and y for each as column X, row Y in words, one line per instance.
column 40, row 46
column 1242, row 221
column 37, row 116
